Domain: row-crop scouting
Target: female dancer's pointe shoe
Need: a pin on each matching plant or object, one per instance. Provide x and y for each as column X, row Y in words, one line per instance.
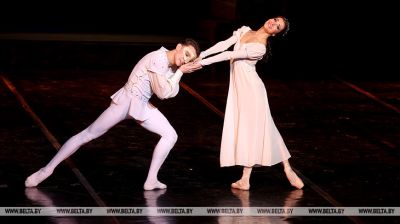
column 36, row 178
column 294, row 180
column 243, row 196
column 240, row 185
column 154, row 186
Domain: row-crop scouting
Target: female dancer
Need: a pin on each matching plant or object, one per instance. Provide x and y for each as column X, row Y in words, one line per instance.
column 250, row 137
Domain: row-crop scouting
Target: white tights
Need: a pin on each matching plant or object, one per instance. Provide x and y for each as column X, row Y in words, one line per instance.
column 156, row 123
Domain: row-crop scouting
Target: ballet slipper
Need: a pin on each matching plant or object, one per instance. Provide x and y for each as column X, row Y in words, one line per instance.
column 240, row 185
column 242, row 195
column 37, row 177
column 153, row 186
column 153, row 195
column 294, row 180
column 33, row 194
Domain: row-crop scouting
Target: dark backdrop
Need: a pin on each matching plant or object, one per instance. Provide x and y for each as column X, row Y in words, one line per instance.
column 350, row 38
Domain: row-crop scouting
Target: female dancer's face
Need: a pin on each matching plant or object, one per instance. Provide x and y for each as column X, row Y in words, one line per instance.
column 274, row 26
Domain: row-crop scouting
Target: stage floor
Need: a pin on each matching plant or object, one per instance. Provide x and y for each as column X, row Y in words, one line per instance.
column 344, row 144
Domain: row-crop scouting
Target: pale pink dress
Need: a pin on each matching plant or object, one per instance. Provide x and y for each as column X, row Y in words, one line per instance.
column 249, row 135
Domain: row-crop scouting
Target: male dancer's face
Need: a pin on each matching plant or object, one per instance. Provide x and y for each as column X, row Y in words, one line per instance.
column 185, row 54
column 189, row 54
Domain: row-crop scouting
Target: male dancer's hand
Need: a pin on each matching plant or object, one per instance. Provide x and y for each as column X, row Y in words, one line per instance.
column 190, row 67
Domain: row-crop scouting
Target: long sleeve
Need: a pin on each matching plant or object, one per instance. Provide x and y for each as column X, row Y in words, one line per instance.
column 219, row 47
column 224, row 56
column 165, row 88
column 224, row 45
column 252, row 52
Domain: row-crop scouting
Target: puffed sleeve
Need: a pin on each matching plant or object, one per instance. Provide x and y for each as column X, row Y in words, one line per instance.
column 157, row 69
column 164, row 87
column 158, row 63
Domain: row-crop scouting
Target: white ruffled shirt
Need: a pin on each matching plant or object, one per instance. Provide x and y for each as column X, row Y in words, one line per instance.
column 152, row 74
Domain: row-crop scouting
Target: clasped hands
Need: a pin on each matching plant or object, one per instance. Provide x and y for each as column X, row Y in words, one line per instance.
column 191, row 66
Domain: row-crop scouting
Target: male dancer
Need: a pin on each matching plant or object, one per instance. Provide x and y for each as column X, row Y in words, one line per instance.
column 157, row 72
